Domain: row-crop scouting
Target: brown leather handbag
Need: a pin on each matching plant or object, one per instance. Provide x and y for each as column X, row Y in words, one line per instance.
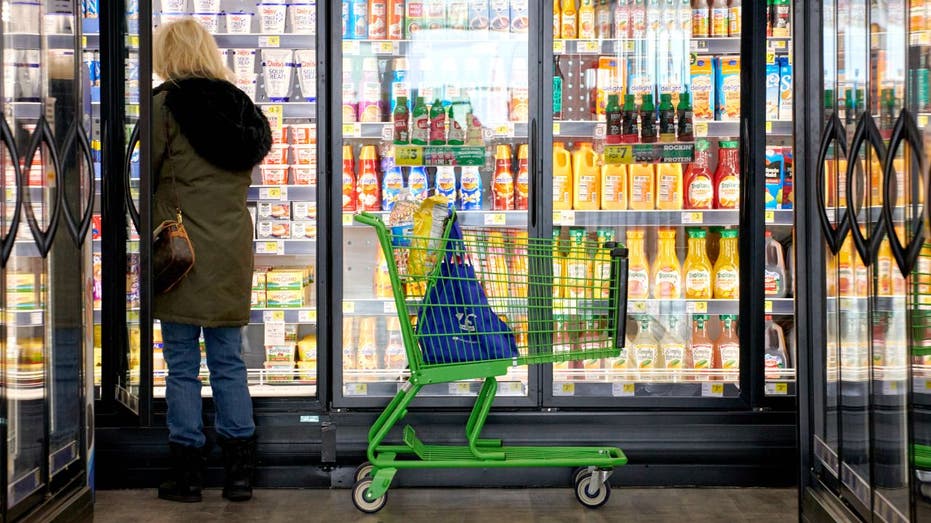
column 172, row 250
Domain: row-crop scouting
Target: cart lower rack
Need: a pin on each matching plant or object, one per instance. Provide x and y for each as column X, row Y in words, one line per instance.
column 482, row 301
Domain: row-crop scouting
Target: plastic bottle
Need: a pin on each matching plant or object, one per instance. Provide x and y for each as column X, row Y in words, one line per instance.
column 603, row 20
column 578, row 277
column 557, row 20
column 615, row 121
column 701, row 19
column 719, row 18
column 697, row 269
column 727, row 176
column 672, row 348
column 646, row 353
column 727, row 268
column 437, row 123
column 774, row 279
column 601, row 265
column 420, row 124
column 733, row 18
column 638, row 268
column 349, row 347
column 846, row 285
column 667, row 272
column 503, row 184
column 401, row 116
column 417, row 184
column 559, row 265
column 642, row 184
column 587, row 19
column 776, row 359
column 648, row 120
column 569, row 28
column 638, row 19
column 614, row 187
column 457, row 134
column 622, row 19
column 396, row 19
column 586, row 179
column 728, row 346
column 382, row 282
column 522, row 183
column 654, row 14
column 669, row 186
column 446, row 184
column 667, row 119
column 392, row 187
column 630, row 131
column 699, row 188
column 367, row 358
column 562, row 178
column 685, row 117
column 349, row 179
column 470, row 189
column 702, row 352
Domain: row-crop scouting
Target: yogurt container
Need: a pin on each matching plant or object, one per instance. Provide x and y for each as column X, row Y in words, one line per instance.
column 303, row 134
column 305, row 175
column 175, row 6
column 271, row 18
column 166, row 17
column 278, row 155
column 304, row 154
column 210, row 21
column 206, row 6
column 306, row 63
column 274, row 174
column 243, row 62
column 247, row 85
column 276, row 69
column 239, row 23
column 303, row 18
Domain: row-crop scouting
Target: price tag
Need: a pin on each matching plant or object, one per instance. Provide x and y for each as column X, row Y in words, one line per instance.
column 391, row 307
column 770, row 217
column 351, row 47
column 618, row 154
column 564, row 218
column 269, row 247
column 132, row 110
column 133, row 40
column 623, row 390
column 506, row 130
column 564, row 389
column 348, row 219
column 712, row 390
column 559, row 46
column 387, row 133
column 601, row 130
column 461, row 388
column 270, row 193
column 770, row 57
column 349, row 307
column 587, row 46
column 769, row 126
column 557, row 128
column 697, row 307
column 307, row 316
column 352, row 130
column 84, row 41
column 270, row 41
column 408, row 155
column 625, row 46
column 275, row 115
column 35, row 318
column 511, row 388
column 701, row 129
column 385, row 47
column 357, row 389
column 495, row 219
column 922, row 120
column 693, row 218
column 921, row 386
column 638, row 306
column 777, row 389
column 768, row 306
column 891, row 388
column 699, row 44
column 274, row 330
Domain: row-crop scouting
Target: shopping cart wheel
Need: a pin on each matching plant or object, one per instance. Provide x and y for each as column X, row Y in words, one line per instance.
column 361, row 500
column 589, row 495
column 363, row 470
column 579, row 472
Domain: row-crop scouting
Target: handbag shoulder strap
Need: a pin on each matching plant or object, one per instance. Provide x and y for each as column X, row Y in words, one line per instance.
column 165, row 156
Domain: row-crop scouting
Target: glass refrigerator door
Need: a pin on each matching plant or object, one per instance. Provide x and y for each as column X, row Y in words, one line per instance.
column 272, row 51
column 435, row 101
column 646, row 152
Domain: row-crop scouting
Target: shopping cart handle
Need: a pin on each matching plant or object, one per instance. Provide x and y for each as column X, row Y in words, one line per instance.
column 366, row 218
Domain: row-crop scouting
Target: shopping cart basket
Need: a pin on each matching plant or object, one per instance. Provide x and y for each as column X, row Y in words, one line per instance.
column 526, row 281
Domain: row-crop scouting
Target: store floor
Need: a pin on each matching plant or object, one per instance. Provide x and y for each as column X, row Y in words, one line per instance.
column 460, row 505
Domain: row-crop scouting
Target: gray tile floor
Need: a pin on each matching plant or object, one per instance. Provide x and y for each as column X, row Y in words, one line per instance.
column 460, row 505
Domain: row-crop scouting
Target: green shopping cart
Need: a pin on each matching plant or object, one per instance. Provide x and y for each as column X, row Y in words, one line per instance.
column 525, row 283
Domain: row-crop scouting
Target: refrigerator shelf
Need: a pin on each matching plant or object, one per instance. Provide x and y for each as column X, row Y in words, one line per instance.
column 390, row 388
column 716, row 217
column 781, row 388
column 439, row 155
column 284, row 247
column 284, row 193
column 25, row 318
column 263, row 390
column 858, row 304
column 385, row 130
column 26, row 110
column 304, row 316
column 595, row 130
column 263, row 41
column 638, row 389
column 408, row 48
column 506, row 219
column 294, row 108
column 676, row 152
column 775, row 306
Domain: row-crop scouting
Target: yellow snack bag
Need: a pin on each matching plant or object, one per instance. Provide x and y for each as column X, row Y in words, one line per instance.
column 427, row 241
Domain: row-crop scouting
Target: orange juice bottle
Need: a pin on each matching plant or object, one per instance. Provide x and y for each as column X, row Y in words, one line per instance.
column 642, row 181
column 669, row 186
column 518, row 263
column 562, row 178
column 570, row 20
column 727, row 268
column 613, row 187
column 697, row 269
column 876, row 182
column 586, row 181
column 496, row 267
column 578, row 267
column 586, row 19
column 845, row 269
column 559, row 265
column 638, row 271
column 667, row 272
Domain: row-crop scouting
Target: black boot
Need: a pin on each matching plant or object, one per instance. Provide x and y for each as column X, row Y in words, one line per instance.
column 186, row 481
column 238, row 463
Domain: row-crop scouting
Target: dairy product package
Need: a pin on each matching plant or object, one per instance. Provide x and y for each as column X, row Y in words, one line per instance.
column 272, row 230
column 727, row 88
column 500, row 15
column 785, row 88
column 90, row 8
column 173, row 6
column 284, row 278
column 306, row 211
column 303, row 17
column 247, row 85
column 277, row 155
column 303, row 134
column 304, row 230
column 306, row 63
column 271, row 18
column 457, row 15
column 274, row 210
column 28, row 78
column 239, row 23
column 303, row 154
column 244, row 63
column 370, row 103
column 772, row 91
column 478, row 15
column 305, row 175
column 435, row 14
column 703, row 100
column 166, row 17
column 206, row 6
column 520, row 16
column 276, row 67
column 274, row 174
column 210, row 21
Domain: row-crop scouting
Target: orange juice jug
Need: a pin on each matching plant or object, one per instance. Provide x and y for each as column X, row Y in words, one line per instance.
column 876, row 182
column 570, row 21
column 727, row 268
column 613, row 187
column 638, row 272
column 578, row 267
column 669, row 186
column 586, row 180
column 562, row 178
column 642, row 181
column 667, row 272
column 885, row 266
column 697, row 269
column 559, row 265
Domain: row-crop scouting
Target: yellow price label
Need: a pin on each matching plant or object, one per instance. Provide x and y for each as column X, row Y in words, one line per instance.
column 270, row 41
column 270, row 193
column 308, row 316
column 133, row 40
column 701, row 129
column 564, row 218
column 348, row 218
column 357, row 389
column 268, row 247
column 927, row 384
column 496, row 219
column 506, row 130
column 559, row 46
column 275, row 115
column 83, row 41
column 557, row 128
column 567, row 389
column 770, row 216
column 769, row 126
column 693, row 218
column 587, row 46
column 698, row 307
column 460, row 388
column 922, row 120
column 352, row 130
column 639, row 306
column 349, row 307
column 408, row 155
column 132, row 110
column 629, row 388
column 273, row 316
column 770, row 57
column 618, row 154
column 717, row 389
column 383, row 47
column 768, row 306
column 782, row 388
column 350, row 47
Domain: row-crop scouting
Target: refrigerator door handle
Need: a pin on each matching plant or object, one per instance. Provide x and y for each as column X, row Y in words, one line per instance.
column 536, row 174
column 833, row 133
column 78, row 226
column 127, row 175
column 905, row 130
column 42, row 137
column 7, row 241
column 866, row 133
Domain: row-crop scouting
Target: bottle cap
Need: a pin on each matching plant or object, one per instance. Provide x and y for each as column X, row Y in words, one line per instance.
column 628, row 99
column 769, row 234
column 697, row 233
column 612, row 99
column 729, row 233
column 685, row 98
column 768, row 317
column 728, row 144
column 665, row 97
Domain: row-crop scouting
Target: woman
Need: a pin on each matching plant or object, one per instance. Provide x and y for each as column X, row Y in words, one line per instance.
column 207, row 136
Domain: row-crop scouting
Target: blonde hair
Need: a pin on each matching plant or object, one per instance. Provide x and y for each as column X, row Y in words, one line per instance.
column 184, row 49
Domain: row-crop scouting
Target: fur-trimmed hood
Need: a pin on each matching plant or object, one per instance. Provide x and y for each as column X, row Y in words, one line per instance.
column 220, row 121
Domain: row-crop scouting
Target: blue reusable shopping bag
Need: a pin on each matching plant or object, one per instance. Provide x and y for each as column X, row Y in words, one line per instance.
column 456, row 323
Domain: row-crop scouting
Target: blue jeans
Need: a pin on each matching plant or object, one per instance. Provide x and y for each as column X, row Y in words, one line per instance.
column 227, row 379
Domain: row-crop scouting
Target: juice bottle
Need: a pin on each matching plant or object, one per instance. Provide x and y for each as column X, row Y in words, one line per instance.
column 861, row 276
column 672, row 348
column 503, row 184
column 569, row 27
column 615, row 120
column 667, row 119
column 613, row 187
column 733, row 18
column 382, row 280
column 669, row 186
column 701, row 19
column 776, row 357
column 701, row 349
column 367, row 357
column 667, row 272
column 720, row 18
column 577, row 267
column 774, row 273
column 648, row 120
column 586, row 179
column 845, row 270
column 587, row 19
column 395, row 356
column 603, row 20
column 519, row 264
column 646, row 351
column 727, row 176
column 728, row 346
column 638, row 18
column 367, row 186
column 630, row 132
column 622, row 19
column 562, row 178
column 349, row 346
column 638, row 268
column 642, row 181
column 727, row 268
column 349, row 179
column 396, row 19
column 522, row 186
column 557, row 20
column 420, row 124
column 697, row 268
column 699, row 188
column 496, row 266
column 559, row 265
column 392, row 185
column 401, row 117
column 601, row 265
column 437, row 123
column 685, row 116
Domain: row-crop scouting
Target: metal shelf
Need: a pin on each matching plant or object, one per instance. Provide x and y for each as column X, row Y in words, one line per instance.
column 294, row 108
column 301, row 193
column 384, row 130
column 262, row 41
column 390, row 388
column 408, row 47
column 306, row 316
column 25, row 318
column 715, row 217
column 286, row 247
column 636, row 389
